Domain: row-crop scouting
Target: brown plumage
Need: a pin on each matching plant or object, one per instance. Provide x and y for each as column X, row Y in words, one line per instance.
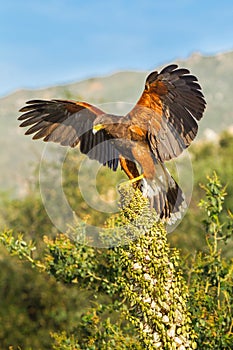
column 160, row 126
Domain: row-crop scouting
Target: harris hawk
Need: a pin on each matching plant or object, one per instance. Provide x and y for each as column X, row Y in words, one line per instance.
column 160, row 126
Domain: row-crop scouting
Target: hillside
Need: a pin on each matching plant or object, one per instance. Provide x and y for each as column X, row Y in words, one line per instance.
column 18, row 152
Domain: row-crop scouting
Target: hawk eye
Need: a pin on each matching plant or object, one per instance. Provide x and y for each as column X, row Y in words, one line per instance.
column 147, row 86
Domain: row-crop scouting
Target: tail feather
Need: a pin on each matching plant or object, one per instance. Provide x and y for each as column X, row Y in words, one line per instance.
column 165, row 195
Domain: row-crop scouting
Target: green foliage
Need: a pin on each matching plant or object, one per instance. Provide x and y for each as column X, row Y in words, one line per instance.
column 210, row 275
column 206, row 156
column 153, row 298
column 97, row 334
column 99, row 184
column 152, row 282
column 213, row 206
column 71, row 262
column 27, row 215
column 115, row 298
column 154, row 293
column 32, row 305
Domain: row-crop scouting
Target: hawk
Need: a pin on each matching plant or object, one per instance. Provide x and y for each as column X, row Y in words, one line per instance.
column 160, row 126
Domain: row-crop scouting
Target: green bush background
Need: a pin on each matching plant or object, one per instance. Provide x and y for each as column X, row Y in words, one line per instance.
column 58, row 294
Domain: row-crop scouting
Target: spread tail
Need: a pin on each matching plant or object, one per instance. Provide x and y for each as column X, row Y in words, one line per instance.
column 165, row 195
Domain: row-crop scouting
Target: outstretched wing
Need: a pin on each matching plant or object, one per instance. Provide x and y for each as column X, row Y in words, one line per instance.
column 69, row 123
column 169, row 109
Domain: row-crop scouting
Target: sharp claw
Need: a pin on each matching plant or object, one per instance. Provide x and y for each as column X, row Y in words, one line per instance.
column 140, row 177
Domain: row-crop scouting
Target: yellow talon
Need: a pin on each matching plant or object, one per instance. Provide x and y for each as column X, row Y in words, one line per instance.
column 140, row 177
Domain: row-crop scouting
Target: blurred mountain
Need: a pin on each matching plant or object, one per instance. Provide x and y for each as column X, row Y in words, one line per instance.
column 116, row 93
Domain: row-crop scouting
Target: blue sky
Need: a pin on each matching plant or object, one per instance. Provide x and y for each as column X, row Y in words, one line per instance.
column 50, row 42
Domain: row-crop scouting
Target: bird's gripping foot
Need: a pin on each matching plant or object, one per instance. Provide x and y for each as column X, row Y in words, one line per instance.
column 136, row 179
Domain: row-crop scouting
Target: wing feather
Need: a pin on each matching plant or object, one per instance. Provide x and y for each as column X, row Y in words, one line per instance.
column 176, row 103
column 69, row 123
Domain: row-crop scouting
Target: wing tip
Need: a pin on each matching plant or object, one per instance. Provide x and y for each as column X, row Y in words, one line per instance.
column 169, row 68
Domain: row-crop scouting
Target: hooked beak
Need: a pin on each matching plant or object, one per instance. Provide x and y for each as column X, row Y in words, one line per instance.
column 97, row 127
